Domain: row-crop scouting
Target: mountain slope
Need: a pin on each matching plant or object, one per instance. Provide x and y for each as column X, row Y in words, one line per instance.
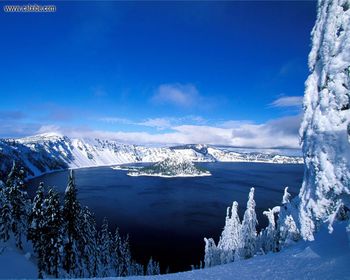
column 48, row 152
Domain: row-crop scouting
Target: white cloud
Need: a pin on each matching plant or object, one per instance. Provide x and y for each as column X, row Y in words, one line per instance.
column 276, row 133
column 159, row 123
column 288, row 101
column 114, row 120
column 184, row 95
column 48, row 129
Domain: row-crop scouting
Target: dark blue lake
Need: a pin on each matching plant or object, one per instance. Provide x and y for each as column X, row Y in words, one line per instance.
column 167, row 218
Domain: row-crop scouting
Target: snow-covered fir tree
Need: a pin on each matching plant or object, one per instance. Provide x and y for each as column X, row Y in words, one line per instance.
column 325, row 129
column 105, row 250
column 136, row 269
column 126, row 257
column 269, row 237
column 230, row 236
column 18, row 203
column 287, row 231
column 248, row 233
column 211, row 253
column 88, row 244
column 117, row 252
column 152, row 267
column 5, row 214
column 37, row 229
column 53, row 236
column 71, row 227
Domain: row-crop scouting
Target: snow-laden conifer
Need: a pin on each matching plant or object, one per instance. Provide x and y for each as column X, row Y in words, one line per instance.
column 105, row 250
column 325, row 127
column 269, row 236
column 71, row 211
column 87, row 244
column 211, row 253
column 19, row 204
column 248, row 232
column 53, row 236
column 152, row 267
column 230, row 237
column 37, row 229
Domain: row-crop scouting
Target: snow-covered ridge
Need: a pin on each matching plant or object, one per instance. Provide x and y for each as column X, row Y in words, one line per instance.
column 50, row 151
column 171, row 167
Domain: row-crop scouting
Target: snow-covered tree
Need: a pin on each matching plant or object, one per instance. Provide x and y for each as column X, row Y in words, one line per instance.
column 18, row 203
column 37, row 229
column 211, row 254
column 269, row 236
column 5, row 214
column 53, row 233
column 286, row 196
column 117, row 248
column 105, row 250
column 87, row 245
column 152, row 267
column 289, row 232
column 248, row 232
column 71, row 227
column 136, row 269
column 230, row 237
column 125, row 257
column 5, row 221
column 325, row 127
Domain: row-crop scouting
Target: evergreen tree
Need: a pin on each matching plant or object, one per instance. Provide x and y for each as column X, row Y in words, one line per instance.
column 18, row 202
column 269, row 237
column 105, row 249
column 71, row 211
column 125, row 257
column 5, row 221
column 36, row 231
column 53, row 233
column 152, row 267
column 2, row 194
column 88, row 243
column 248, row 232
column 287, row 230
column 136, row 269
column 211, row 255
column 5, row 214
column 230, row 237
column 117, row 248
column 286, row 196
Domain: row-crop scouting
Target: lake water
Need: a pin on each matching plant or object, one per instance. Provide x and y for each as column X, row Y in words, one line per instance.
column 167, row 218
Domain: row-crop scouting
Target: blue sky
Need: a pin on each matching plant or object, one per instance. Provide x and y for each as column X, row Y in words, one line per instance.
column 228, row 73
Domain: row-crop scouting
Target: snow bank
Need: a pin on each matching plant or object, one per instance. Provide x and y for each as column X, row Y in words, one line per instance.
column 326, row 258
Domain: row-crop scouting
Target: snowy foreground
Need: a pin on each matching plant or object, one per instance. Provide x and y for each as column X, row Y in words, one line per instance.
column 326, row 258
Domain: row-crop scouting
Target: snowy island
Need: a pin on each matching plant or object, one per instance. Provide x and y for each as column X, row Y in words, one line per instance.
column 169, row 168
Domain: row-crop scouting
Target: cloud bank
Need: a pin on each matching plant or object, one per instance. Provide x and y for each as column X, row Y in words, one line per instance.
column 276, row 133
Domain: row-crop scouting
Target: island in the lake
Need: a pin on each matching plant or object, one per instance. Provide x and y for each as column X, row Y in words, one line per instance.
column 169, row 167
